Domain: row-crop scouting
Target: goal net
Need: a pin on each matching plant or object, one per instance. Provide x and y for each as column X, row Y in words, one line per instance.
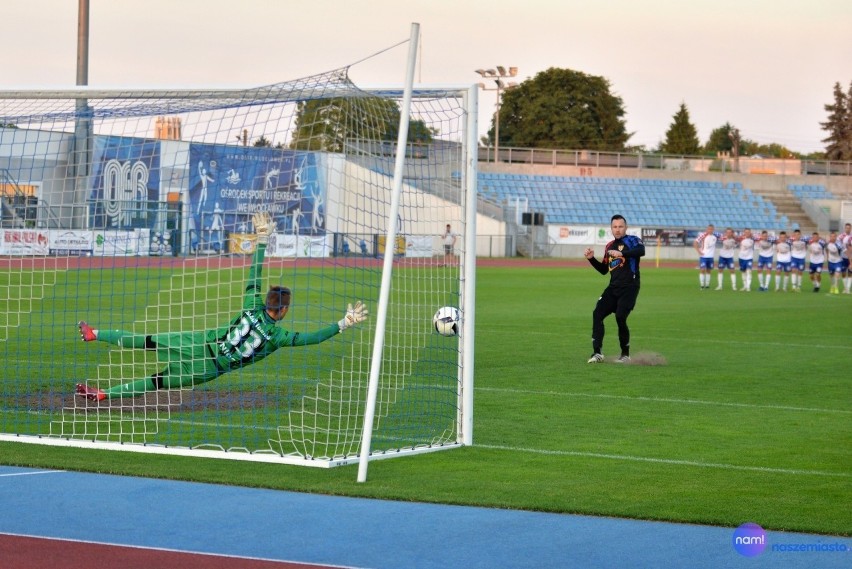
column 132, row 211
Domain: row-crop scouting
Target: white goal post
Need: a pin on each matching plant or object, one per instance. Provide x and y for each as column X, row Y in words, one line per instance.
column 132, row 210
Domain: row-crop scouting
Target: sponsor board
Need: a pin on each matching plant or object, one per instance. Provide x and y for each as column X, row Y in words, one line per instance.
column 285, row 245
column 242, row 243
column 24, row 242
column 668, row 237
column 121, row 243
column 420, row 246
column 603, row 235
column 571, row 234
column 64, row 242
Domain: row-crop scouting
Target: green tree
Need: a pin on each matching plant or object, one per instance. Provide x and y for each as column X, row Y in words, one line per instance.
column 721, row 140
column 839, row 125
column 682, row 136
column 562, row 108
column 327, row 123
column 772, row 150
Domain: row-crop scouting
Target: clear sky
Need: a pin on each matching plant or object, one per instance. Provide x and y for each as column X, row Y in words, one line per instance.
column 767, row 67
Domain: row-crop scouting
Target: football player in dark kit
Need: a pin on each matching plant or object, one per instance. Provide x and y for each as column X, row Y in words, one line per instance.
column 621, row 260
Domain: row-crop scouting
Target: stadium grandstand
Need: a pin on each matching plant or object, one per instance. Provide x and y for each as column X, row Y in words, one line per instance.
column 669, row 203
column 568, row 196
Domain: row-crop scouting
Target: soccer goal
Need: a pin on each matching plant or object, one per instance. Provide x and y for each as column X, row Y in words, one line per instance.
column 132, row 211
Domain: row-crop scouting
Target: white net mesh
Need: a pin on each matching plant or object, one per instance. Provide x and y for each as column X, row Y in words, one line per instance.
column 133, row 211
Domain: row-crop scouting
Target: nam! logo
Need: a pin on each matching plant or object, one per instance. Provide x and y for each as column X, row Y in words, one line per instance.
column 749, row 539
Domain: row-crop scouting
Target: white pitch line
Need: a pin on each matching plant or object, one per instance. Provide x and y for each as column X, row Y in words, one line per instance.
column 669, row 461
column 30, row 473
column 667, row 400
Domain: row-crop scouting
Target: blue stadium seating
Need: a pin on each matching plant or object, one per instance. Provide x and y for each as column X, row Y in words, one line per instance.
column 809, row 192
column 649, row 202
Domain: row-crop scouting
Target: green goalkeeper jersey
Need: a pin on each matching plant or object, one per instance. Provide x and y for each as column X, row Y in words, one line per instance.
column 253, row 334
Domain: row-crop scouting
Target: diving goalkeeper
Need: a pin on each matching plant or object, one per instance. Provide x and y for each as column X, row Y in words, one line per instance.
column 193, row 358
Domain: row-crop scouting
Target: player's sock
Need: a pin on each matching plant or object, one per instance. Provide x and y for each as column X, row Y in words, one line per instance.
column 847, row 282
column 132, row 388
column 720, row 278
column 733, row 281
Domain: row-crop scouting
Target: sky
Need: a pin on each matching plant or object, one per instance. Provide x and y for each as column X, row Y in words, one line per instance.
column 766, row 67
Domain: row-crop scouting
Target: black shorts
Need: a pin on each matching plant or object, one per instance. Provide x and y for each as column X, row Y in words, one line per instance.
column 619, row 300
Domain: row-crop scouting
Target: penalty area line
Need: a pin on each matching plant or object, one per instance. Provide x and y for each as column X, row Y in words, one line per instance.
column 722, row 466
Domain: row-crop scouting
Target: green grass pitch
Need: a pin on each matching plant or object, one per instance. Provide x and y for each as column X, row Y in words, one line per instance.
column 746, row 414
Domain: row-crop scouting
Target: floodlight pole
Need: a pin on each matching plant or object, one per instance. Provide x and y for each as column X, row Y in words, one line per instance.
column 497, row 75
column 82, row 124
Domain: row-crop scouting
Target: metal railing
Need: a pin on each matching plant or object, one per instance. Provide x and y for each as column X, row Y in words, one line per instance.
column 672, row 162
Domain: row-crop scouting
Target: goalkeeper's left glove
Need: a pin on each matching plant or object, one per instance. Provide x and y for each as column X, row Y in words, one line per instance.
column 354, row 315
column 263, row 226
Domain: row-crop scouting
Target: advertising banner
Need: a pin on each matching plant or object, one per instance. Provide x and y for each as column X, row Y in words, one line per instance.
column 667, row 237
column 241, row 243
column 283, row 245
column 24, row 242
column 315, row 247
column 571, row 235
column 420, row 246
column 228, row 184
column 71, row 242
column 603, row 235
column 122, row 243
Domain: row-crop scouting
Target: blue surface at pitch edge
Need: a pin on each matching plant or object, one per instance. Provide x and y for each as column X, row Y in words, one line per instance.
column 358, row 532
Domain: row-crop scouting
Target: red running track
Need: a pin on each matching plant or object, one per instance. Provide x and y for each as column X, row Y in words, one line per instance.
column 20, row 552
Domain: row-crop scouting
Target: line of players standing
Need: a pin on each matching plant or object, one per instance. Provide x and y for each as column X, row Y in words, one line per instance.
column 789, row 253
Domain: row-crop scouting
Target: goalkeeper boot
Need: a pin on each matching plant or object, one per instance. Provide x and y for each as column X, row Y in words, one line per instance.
column 623, row 359
column 596, row 359
column 87, row 333
column 90, row 393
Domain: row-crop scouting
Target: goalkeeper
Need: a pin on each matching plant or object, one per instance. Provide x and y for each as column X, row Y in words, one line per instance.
column 193, row 358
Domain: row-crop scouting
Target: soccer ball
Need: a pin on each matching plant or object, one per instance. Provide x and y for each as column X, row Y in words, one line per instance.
column 446, row 321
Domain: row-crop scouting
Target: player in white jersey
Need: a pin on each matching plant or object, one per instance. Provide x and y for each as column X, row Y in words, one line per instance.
column 816, row 256
column 798, row 251
column 746, row 258
column 845, row 239
column 765, row 246
column 728, row 241
column 835, row 261
column 705, row 246
column 783, row 261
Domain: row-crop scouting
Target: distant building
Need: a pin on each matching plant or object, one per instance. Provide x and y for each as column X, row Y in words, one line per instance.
column 167, row 128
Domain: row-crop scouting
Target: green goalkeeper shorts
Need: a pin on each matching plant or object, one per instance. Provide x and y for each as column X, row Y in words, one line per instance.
column 186, row 355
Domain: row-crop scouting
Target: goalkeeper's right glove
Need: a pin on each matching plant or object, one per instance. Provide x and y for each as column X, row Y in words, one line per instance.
column 263, row 226
column 354, row 315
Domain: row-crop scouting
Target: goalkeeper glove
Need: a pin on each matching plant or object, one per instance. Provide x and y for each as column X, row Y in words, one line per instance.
column 263, row 226
column 354, row 315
